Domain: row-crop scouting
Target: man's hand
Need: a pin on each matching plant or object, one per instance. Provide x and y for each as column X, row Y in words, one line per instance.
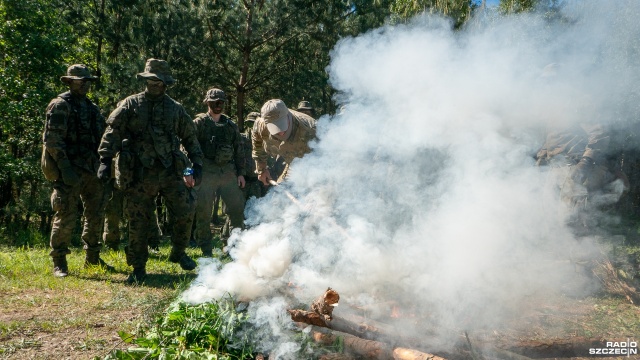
column 197, row 174
column 581, row 171
column 104, row 171
column 189, row 181
column 241, row 182
column 265, row 176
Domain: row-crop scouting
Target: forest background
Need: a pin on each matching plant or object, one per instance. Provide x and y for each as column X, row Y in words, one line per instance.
column 253, row 49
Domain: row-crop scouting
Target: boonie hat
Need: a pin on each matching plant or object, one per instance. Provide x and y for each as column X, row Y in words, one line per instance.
column 304, row 105
column 157, row 69
column 78, row 72
column 252, row 116
column 214, row 95
column 276, row 115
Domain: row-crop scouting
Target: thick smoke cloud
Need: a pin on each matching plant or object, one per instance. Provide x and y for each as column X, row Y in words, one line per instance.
column 423, row 190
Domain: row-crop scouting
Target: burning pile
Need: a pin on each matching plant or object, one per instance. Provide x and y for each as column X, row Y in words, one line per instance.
column 423, row 193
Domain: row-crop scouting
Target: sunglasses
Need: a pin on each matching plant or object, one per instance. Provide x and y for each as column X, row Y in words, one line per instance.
column 154, row 82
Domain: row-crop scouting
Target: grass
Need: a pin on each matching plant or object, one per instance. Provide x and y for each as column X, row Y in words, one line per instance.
column 80, row 315
column 88, row 314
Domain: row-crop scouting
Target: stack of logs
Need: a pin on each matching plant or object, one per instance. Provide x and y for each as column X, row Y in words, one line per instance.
column 360, row 339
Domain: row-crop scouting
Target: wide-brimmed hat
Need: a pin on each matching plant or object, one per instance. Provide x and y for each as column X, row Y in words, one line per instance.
column 252, row 116
column 157, row 69
column 276, row 115
column 78, row 72
column 214, row 95
column 304, row 105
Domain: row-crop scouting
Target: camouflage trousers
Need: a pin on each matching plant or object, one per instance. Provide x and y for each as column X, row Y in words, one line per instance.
column 64, row 201
column 253, row 187
column 221, row 179
column 141, row 206
column 114, row 215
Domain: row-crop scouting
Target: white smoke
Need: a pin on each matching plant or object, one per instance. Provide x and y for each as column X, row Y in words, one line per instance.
column 423, row 190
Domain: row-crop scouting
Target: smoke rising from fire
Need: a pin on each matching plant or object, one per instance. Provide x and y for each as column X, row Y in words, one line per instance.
column 423, row 190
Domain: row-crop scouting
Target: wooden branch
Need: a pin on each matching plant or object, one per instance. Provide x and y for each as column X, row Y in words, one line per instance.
column 410, row 354
column 367, row 349
column 325, row 304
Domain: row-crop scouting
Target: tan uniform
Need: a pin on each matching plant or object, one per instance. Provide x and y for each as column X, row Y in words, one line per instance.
column 297, row 145
column 223, row 163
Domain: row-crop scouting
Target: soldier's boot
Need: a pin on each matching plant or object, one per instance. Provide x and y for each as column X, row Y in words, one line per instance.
column 186, row 263
column 93, row 259
column 60, row 268
column 137, row 276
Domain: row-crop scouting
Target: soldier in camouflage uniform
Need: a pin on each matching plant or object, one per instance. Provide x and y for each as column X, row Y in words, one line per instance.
column 143, row 141
column 114, row 216
column 305, row 108
column 283, row 132
column 253, row 186
column 72, row 133
column 223, row 168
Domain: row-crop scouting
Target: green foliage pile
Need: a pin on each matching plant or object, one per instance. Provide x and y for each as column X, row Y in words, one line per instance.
column 204, row 331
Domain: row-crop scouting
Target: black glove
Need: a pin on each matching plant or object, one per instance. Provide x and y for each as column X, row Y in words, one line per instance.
column 197, row 173
column 69, row 176
column 582, row 170
column 104, row 171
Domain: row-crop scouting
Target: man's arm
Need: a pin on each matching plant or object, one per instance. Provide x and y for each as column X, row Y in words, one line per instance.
column 238, row 152
column 186, row 131
column 112, row 138
column 258, row 153
column 55, row 131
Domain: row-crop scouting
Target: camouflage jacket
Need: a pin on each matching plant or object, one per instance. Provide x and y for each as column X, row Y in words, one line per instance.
column 73, row 130
column 249, row 164
column 590, row 140
column 264, row 144
column 155, row 129
column 220, row 141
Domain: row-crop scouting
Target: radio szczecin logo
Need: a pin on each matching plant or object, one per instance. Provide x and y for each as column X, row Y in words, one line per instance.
column 629, row 347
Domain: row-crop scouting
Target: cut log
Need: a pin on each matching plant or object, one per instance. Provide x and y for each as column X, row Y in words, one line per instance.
column 367, row 349
column 364, row 331
column 410, row 354
column 336, row 356
column 325, row 304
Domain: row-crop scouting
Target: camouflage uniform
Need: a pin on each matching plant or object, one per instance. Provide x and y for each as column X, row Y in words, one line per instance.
column 113, row 216
column 581, row 172
column 71, row 136
column 223, row 164
column 154, row 127
column 305, row 108
column 253, row 186
column 581, row 148
column 265, row 141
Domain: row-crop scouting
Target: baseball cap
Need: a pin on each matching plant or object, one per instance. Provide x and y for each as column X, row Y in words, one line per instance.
column 276, row 115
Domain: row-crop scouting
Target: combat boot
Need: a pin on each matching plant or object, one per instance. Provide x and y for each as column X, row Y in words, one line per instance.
column 137, row 276
column 93, row 259
column 60, row 268
column 186, row 263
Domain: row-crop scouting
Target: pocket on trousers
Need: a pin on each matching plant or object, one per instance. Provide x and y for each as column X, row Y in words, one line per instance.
column 57, row 201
